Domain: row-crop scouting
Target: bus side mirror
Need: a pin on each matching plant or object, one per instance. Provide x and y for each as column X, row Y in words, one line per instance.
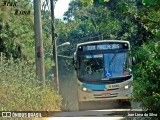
column 133, row 61
column 73, row 61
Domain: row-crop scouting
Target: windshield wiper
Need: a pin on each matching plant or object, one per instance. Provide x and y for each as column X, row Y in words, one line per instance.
column 111, row 61
column 107, row 78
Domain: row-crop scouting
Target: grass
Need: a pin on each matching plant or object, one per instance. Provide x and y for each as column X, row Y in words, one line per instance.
column 20, row 90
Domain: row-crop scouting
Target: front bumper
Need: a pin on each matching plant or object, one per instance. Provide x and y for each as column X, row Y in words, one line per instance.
column 111, row 94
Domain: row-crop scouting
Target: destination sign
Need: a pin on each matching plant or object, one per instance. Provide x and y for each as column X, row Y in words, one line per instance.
column 113, row 46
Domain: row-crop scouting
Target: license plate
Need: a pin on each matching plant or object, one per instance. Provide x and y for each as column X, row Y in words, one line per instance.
column 105, row 94
column 113, row 86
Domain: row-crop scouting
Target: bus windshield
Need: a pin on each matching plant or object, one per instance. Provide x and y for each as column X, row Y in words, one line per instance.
column 104, row 66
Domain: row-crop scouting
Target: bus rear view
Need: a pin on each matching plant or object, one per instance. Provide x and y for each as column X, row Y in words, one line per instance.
column 103, row 70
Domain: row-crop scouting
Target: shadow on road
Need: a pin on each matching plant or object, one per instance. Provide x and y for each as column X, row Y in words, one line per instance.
column 103, row 105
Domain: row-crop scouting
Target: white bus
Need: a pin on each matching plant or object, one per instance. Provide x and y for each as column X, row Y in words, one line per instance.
column 103, row 70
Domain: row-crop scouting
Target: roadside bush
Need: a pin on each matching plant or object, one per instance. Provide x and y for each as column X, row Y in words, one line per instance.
column 147, row 77
column 20, row 90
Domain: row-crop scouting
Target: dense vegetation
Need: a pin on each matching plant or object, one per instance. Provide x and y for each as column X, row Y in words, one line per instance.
column 20, row 90
column 147, row 77
column 19, row 86
column 137, row 21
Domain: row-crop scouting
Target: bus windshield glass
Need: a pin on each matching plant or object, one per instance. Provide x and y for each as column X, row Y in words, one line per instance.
column 104, row 66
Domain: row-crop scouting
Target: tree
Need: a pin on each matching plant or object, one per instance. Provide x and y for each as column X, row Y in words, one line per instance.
column 16, row 26
column 147, row 77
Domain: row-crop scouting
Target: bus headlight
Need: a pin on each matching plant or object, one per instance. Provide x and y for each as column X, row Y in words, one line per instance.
column 126, row 87
column 84, row 89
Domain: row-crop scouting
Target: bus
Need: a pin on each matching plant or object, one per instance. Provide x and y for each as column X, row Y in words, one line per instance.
column 103, row 70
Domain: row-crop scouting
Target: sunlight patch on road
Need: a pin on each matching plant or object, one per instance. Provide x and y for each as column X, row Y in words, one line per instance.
column 85, row 118
column 120, row 110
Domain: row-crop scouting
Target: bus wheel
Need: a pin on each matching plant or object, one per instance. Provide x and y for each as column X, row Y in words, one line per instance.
column 84, row 105
column 125, row 103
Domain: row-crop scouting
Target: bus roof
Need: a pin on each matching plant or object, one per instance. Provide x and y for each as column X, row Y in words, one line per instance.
column 102, row 41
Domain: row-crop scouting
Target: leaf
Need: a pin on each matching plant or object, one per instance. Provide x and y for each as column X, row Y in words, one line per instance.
column 92, row 1
column 85, row 3
column 148, row 2
column 144, row 2
column 106, row 0
column 101, row 1
column 122, row 7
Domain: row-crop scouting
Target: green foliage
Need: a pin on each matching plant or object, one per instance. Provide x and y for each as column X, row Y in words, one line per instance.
column 96, row 21
column 122, row 7
column 16, row 31
column 153, row 3
column 147, row 79
column 20, row 89
column 148, row 2
column 85, row 3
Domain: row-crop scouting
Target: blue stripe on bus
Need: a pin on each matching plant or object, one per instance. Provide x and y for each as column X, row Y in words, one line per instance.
column 94, row 86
